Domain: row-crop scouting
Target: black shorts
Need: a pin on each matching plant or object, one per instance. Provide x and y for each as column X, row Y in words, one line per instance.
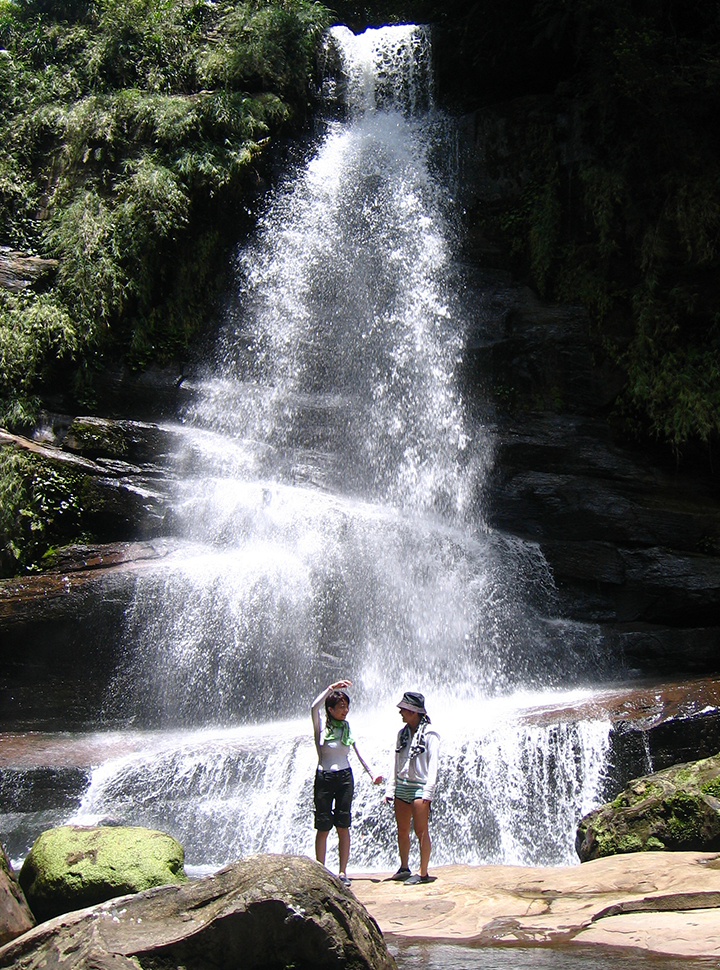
column 333, row 799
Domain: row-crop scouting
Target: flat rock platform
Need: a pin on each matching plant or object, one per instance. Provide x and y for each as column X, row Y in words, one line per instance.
column 659, row 902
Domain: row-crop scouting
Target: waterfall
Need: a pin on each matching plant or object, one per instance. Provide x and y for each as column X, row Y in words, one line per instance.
column 510, row 791
column 330, row 499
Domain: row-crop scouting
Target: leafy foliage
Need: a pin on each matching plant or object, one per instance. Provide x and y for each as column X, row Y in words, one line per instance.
column 38, row 504
column 32, row 328
column 133, row 131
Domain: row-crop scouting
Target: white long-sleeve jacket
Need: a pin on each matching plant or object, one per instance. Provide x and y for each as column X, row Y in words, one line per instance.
column 423, row 768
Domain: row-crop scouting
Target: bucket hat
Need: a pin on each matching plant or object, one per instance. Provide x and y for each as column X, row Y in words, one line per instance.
column 412, row 701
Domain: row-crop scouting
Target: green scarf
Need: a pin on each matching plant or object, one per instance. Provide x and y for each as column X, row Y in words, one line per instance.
column 338, row 730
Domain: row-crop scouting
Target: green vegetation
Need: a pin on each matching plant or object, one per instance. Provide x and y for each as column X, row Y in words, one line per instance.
column 684, row 816
column 132, row 134
column 133, row 137
column 38, row 504
column 611, row 152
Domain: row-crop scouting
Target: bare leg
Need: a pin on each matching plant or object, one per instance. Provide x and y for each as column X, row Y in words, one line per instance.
column 420, row 814
column 320, row 846
column 343, row 849
column 403, row 816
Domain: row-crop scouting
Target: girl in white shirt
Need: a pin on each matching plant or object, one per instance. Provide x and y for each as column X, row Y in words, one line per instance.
column 334, row 784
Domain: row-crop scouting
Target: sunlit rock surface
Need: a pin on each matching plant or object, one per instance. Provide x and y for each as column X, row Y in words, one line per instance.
column 15, row 915
column 661, row 902
column 262, row 912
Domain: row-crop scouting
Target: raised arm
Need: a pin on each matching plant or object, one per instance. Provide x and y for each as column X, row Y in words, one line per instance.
column 316, row 707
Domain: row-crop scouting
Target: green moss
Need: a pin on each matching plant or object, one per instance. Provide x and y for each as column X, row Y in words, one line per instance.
column 97, row 437
column 684, row 816
column 610, row 843
column 639, row 792
column 711, row 788
column 73, row 866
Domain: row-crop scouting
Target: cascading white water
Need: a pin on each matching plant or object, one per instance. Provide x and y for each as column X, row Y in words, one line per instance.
column 330, row 497
column 509, row 791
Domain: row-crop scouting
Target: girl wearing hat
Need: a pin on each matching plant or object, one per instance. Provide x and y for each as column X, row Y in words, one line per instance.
column 413, row 784
column 334, row 784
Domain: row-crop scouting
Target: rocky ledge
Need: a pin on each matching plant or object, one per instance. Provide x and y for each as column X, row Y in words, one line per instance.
column 262, row 913
column 660, row 902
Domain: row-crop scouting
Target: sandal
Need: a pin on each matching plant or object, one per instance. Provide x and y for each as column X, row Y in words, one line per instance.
column 401, row 875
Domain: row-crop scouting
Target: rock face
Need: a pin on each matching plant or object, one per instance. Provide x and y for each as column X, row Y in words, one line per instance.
column 114, row 492
column 15, row 915
column 677, row 809
column 264, row 912
column 18, row 271
column 633, row 541
column 61, row 632
column 75, row 866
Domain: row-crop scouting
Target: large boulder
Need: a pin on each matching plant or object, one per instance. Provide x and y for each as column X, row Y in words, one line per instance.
column 73, row 866
column 15, row 915
column 261, row 913
column 676, row 809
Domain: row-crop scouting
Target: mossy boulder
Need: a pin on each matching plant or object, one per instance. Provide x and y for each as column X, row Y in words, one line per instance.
column 73, row 866
column 677, row 809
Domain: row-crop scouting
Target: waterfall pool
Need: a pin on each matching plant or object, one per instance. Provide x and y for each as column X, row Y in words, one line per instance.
column 438, row 956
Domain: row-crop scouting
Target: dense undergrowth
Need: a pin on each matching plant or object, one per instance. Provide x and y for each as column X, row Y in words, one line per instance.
column 132, row 131
column 612, row 155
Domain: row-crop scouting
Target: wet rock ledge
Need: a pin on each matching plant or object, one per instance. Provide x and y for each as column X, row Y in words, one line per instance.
column 62, row 633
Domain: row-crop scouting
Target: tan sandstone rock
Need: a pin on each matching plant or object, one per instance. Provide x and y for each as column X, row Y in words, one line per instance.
column 658, row 901
column 15, row 915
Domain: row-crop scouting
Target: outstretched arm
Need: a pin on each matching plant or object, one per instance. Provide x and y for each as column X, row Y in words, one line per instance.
column 376, row 779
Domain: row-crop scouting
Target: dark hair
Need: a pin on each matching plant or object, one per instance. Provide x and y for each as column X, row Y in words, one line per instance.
column 333, row 698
